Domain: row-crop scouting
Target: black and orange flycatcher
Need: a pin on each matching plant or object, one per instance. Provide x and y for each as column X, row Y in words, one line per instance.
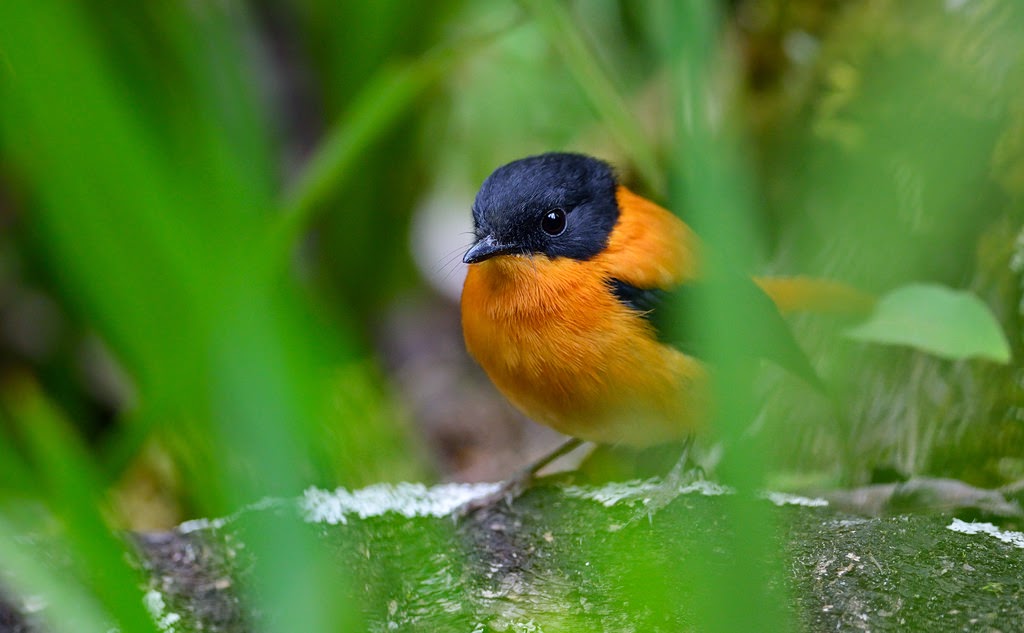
column 565, row 271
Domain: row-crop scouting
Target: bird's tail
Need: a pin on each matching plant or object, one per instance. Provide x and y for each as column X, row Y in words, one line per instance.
column 818, row 296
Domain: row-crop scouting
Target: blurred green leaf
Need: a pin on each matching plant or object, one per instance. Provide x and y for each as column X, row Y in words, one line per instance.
column 170, row 265
column 108, row 206
column 15, row 476
column 70, row 609
column 948, row 323
column 73, row 494
column 712, row 181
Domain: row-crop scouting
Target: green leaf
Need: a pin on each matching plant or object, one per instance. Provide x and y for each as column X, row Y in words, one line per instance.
column 949, row 323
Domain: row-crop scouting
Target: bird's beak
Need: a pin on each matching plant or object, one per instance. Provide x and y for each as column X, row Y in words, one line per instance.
column 485, row 249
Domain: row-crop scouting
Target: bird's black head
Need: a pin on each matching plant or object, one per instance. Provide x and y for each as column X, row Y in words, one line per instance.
column 559, row 205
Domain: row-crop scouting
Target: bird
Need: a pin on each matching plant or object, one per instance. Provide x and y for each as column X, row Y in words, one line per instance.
column 565, row 277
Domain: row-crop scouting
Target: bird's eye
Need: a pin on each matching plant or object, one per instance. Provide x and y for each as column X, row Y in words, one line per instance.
column 553, row 222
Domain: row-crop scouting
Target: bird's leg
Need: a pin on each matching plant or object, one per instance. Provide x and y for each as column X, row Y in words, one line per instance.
column 564, row 448
column 679, row 474
column 517, row 484
column 669, row 488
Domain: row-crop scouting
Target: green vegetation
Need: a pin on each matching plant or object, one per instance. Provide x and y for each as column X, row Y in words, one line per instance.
column 954, row 325
column 205, row 213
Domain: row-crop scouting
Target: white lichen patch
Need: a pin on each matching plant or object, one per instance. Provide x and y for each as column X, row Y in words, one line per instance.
column 155, row 605
column 408, row 499
column 706, row 488
column 785, row 499
column 265, row 503
column 203, row 524
column 1012, row 538
column 614, row 493
column 848, row 522
column 417, row 500
column 33, row 604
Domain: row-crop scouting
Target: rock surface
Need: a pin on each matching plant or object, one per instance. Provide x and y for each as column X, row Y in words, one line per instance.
column 571, row 558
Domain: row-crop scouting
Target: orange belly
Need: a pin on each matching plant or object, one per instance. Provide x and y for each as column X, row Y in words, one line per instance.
column 559, row 345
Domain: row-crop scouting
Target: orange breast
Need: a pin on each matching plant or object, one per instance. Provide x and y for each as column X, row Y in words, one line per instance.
column 558, row 344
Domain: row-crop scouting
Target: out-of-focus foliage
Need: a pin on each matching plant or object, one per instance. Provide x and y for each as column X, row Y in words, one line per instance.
column 205, row 217
column 953, row 325
column 890, row 169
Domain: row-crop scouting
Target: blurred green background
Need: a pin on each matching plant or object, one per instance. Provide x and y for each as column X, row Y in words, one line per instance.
column 231, row 233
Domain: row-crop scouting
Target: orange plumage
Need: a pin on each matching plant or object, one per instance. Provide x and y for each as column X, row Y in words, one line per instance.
column 560, row 346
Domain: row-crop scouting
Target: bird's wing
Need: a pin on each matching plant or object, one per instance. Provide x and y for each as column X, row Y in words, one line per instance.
column 653, row 259
column 773, row 339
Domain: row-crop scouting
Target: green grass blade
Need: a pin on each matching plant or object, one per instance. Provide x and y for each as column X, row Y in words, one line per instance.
column 73, row 494
column 385, row 98
column 148, row 259
column 566, row 38
column 107, row 210
column 15, row 476
column 382, row 101
column 69, row 607
column 711, row 182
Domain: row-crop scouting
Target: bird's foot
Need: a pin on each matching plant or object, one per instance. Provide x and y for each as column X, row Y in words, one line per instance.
column 511, row 489
column 506, row 493
column 678, row 478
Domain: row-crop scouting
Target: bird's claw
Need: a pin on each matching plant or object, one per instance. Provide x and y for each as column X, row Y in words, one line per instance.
column 507, row 492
